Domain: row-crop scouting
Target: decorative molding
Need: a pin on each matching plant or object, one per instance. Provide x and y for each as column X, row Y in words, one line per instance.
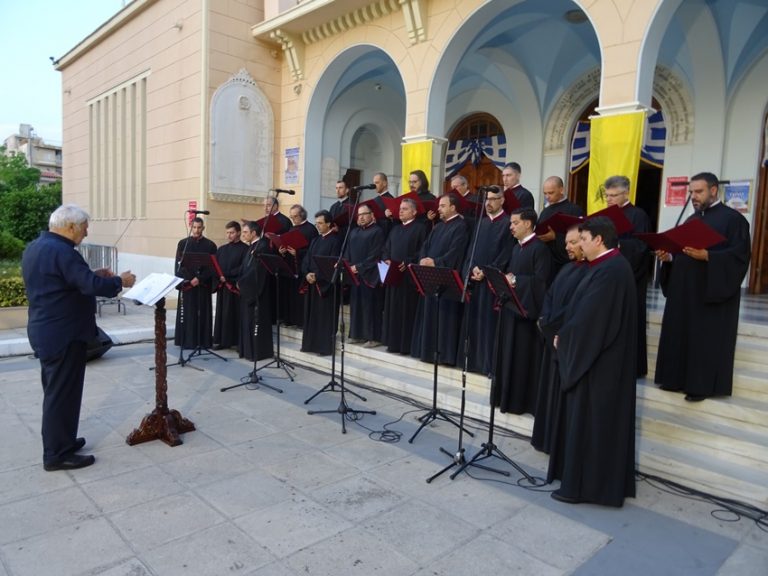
column 568, row 109
column 352, row 19
column 235, row 198
column 414, row 23
column 674, row 96
column 293, row 48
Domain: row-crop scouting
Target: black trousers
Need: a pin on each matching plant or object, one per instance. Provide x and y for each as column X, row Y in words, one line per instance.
column 62, row 378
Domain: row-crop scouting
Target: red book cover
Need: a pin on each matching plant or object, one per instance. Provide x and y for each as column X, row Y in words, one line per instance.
column 510, row 201
column 560, row 223
column 293, row 239
column 273, row 225
column 693, row 234
column 616, row 215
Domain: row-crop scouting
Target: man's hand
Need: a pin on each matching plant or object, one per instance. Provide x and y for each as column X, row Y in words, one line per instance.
column 556, row 341
column 477, row 274
column 353, row 268
column 431, row 215
column 697, row 253
column 103, row 273
column 195, row 282
column 663, row 256
column 311, row 278
column 427, row 262
column 127, row 278
column 388, row 213
column 402, row 266
column 548, row 236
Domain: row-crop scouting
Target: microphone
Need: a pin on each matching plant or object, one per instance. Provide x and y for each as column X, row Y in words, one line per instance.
column 281, row 191
column 206, row 212
column 365, row 187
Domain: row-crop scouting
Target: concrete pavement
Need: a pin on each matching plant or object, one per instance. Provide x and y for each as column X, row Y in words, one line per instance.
column 262, row 488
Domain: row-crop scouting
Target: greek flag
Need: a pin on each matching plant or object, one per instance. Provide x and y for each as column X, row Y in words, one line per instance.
column 580, row 146
column 462, row 151
column 654, row 140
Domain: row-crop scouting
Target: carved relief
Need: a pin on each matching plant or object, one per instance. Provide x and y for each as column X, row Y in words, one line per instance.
column 676, row 102
column 568, row 108
column 242, row 128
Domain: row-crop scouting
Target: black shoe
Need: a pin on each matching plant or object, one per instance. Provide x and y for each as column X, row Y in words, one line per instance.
column 556, row 495
column 79, row 443
column 71, row 462
column 694, row 398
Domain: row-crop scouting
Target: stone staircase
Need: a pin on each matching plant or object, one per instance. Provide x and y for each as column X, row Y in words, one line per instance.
column 719, row 446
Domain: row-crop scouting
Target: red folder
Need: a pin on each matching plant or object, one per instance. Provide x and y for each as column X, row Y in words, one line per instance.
column 559, row 222
column 616, row 215
column 378, row 212
column 273, row 225
column 510, row 201
column 394, row 274
column 693, row 234
column 293, row 239
column 393, row 205
column 344, row 217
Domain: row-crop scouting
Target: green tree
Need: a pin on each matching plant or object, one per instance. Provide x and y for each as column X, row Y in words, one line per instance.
column 15, row 174
column 25, row 212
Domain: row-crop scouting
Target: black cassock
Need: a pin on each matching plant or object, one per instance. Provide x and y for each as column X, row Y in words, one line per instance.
column 402, row 245
column 557, row 246
column 194, row 302
column 480, row 317
column 520, row 343
column 226, row 328
column 320, row 307
column 548, row 406
column 523, row 196
column 292, row 298
column 281, row 281
column 594, row 457
column 701, row 315
column 386, row 224
column 366, row 300
column 446, row 245
column 256, row 304
column 639, row 256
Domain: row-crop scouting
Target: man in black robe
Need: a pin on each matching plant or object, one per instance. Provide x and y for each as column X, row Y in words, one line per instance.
column 479, row 322
column 321, row 303
column 256, row 299
column 557, row 203
column 418, row 184
column 272, row 213
column 444, row 248
column 510, row 177
column 703, row 290
column 381, row 182
column 546, row 425
column 293, row 298
column 637, row 254
column 520, row 343
column 226, row 328
column 195, row 313
column 400, row 300
column 344, row 205
column 363, row 252
column 472, row 204
column 594, row 457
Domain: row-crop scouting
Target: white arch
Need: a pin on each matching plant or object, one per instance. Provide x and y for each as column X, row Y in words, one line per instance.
column 649, row 51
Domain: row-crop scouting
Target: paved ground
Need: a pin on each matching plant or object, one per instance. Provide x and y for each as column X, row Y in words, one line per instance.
column 262, row 488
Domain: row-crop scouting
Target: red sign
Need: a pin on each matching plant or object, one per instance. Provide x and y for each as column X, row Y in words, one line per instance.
column 191, row 207
column 677, row 191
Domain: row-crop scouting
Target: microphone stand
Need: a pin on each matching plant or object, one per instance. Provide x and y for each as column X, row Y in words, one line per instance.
column 338, row 277
column 458, row 456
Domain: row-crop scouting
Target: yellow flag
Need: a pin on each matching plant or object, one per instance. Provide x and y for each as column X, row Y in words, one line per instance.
column 615, row 143
column 417, row 156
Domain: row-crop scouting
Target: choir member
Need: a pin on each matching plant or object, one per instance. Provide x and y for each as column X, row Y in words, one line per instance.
column 226, row 328
column 256, row 298
column 557, row 203
column 292, row 299
column 510, row 177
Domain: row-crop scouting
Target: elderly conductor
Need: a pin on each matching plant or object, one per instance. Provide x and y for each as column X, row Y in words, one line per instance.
column 61, row 289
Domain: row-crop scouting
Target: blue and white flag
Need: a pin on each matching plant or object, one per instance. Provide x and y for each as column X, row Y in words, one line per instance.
column 580, row 146
column 462, row 151
column 654, row 140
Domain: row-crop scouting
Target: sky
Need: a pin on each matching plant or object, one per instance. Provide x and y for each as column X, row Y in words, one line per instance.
column 30, row 32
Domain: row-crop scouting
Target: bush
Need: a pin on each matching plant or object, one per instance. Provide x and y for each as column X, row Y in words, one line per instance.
column 10, row 246
column 12, row 292
column 24, row 213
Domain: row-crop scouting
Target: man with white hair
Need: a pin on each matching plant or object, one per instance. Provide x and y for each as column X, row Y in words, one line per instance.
column 62, row 292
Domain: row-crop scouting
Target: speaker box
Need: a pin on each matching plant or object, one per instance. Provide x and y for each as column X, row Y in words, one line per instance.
column 99, row 345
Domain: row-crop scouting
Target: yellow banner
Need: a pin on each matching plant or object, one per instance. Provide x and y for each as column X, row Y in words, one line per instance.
column 615, row 143
column 417, row 156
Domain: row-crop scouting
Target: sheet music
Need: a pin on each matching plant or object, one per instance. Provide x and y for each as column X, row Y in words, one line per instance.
column 383, row 269
column 152, row 288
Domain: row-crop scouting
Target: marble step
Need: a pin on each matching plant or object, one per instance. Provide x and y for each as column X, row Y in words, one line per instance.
column 744, row 446
column 703, row 472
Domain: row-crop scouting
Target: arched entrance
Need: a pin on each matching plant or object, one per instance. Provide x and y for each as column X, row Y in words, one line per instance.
column 758, row 276
column 474, row 147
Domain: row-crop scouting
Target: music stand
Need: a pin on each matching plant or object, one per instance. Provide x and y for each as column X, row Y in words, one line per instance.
column 505, row 293
column 196, row 261
column 326, row 270
column 277, row 266
column 249, row 294
column 343, row 409
column 437, row 283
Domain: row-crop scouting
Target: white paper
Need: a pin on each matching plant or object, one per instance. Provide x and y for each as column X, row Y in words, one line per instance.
column 152, row 288
column 383, row 269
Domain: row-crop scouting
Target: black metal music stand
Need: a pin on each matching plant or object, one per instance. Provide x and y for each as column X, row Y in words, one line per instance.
column 248, row 284
column 326, row 271
column 277, row 266
column 505, row 293
column 437, row 283
column 344, row 273
column 196, row 261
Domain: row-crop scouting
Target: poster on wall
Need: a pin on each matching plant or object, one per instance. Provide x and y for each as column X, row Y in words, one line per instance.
column 291, row 166
column 736, row 194
column 677, row 190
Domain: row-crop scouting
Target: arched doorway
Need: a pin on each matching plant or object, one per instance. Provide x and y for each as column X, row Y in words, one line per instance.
column 758, row 275
column 648, row 195
column 473, row 149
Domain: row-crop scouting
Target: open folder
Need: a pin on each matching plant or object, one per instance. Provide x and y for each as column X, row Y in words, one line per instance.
column 693, row 234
